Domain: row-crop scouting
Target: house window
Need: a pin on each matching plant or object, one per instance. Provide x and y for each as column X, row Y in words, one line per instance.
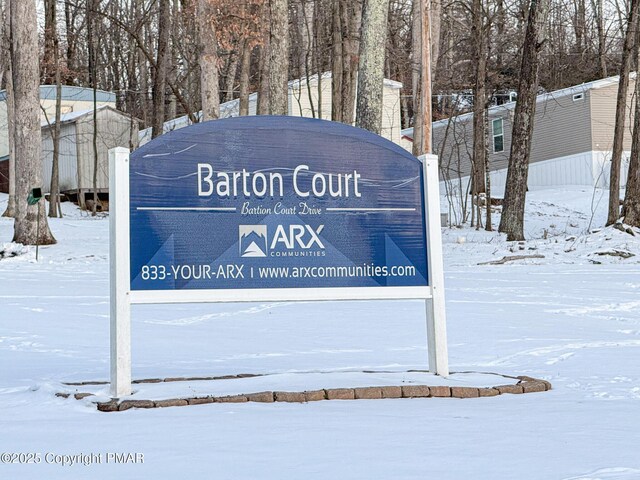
column 498, row 135
column 578, row 96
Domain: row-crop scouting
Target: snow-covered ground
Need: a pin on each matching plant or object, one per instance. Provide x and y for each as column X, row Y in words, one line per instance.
column 572, row 317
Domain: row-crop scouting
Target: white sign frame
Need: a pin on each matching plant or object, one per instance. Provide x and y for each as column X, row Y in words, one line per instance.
column 122, row 297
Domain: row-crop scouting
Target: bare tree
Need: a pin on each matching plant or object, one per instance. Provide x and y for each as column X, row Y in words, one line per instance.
column 262, row 107
column 162, row 67
column 631, row 206
column 52, row 33
column 479, row 39
column 371, row 65
column 30, row 226
column 279, row 57
column 245, row 70
column 208, row 53
column 512, row 221
column 7, row 71
column 598, row 7
column 621, row 106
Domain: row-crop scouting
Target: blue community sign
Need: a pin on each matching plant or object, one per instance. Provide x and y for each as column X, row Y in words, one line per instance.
column 272, row 208
column 260, row 202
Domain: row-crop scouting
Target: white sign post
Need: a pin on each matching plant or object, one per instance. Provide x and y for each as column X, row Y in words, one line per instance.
column 122, row 297
column 119, row 278
column 436, row 316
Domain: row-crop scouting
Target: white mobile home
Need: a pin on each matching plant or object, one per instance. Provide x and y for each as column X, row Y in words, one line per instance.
column 73, row 99
column 304, row 102
column 76, row 159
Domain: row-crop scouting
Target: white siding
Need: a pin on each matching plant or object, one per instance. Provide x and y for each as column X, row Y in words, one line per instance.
column 590, row 169
column 67, row 164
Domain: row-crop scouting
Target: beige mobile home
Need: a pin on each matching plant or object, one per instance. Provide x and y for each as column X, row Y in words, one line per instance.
column 572, row 138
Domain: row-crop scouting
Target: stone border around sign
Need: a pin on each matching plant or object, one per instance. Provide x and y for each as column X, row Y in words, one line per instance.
column 524, row 385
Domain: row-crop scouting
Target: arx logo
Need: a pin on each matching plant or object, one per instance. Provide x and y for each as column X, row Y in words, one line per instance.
column 293, row 236
column 253, row 240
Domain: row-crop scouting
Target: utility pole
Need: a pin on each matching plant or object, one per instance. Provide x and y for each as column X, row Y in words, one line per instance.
column 425, row 76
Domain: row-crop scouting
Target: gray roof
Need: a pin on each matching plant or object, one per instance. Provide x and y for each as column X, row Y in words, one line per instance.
column 48, row 92
column 543, row 97
column 73, row 116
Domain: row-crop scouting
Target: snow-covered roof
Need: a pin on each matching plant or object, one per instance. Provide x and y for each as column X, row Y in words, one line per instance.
column 232, row 108
column 73, row 116
column 328, row 75
column 71, row 93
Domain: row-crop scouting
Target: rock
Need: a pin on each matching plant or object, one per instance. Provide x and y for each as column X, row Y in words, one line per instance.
column 200, row 400
column 391, row 392
column 148, row 380
column 535, row 386
column 232, row 399
column 488, row 392
column 413, row 391
column 63, row 395
column 464, row 392
column 172, row 402
column 440, row 391
column 367, row 393
column 340, row 394
column 264, row 397
column 111, row 406
column 509, row 388
column 314, row 396
column 127, row 404
column 295, row 397
column 80, row 396
column 547, row 385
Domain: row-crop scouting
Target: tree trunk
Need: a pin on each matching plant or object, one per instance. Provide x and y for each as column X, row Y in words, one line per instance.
column 621, row 106
column 91, row 54
column 172, row 75
column 631, row 206
column 6, row 56
column 262, row 106
column 351, row 12
column 336, row 62
column 162, row 67
column 72, row 36
column 479, row 99
column 435, row 18
column 512, row 221
column 487, row 174
column 371, row 66
column 28, row 144
column 245, row 70
column 231, row 75
column 602, row 59
column 279, row 57
column 48, row 74
column 208, row 53
column 54, row 190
